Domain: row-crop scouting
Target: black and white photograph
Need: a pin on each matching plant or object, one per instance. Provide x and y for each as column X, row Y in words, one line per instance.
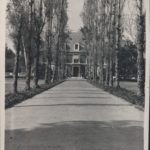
column 76, row 75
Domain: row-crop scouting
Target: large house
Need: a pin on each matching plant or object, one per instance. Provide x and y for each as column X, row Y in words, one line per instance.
column 76, row 64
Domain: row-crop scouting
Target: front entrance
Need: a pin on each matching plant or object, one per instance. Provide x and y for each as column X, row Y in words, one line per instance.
column 75, row 71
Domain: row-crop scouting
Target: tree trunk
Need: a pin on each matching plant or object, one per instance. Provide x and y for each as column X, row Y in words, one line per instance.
column 101, row 77
column 107, row 72
column 95, row 64
column 48, row 75
column 16, row 67
column 36, row 64
column 24, row 52
column 38, row 43
column 111, row 58
column 118, row 45
column 15, row 84
column 63, row 61
column 102, row 71
column 61, row 64
column 111, row 72
column 117, row 68
column 28, row 77
column 112, row 40
column 89, row 61
column 57, row 62
column 140, row 50
column 140, row 73
column 59, row 29
column 101, row 80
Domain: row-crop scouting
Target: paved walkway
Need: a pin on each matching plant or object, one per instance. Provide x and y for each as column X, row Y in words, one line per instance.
column 74, row 116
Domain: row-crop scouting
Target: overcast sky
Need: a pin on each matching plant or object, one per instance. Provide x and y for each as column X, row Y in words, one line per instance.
column 74, row 10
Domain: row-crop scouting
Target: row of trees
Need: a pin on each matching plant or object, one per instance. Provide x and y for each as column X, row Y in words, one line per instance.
column 103, row 35
column 38, row 27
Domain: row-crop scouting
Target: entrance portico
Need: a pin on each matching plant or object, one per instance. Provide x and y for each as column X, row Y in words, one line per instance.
column 76, row 71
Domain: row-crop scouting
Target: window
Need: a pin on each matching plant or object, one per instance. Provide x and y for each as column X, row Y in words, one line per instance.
column 76, row 61
column 76, row 46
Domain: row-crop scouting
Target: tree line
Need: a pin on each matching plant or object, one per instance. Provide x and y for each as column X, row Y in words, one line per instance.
column 103, row 36
column 38, row 26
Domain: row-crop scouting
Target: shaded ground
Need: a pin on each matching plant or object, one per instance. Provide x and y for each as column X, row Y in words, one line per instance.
column 78, row 136
column 21, row 85
column 74, row 116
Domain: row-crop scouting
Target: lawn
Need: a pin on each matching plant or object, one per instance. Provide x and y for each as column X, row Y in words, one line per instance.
column 21, row 85
column 131, row 86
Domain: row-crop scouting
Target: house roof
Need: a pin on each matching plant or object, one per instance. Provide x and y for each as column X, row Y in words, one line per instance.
column 75, row 37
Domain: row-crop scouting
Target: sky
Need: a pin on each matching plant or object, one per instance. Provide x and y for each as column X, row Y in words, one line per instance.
column 75, row 22
column 74, row 10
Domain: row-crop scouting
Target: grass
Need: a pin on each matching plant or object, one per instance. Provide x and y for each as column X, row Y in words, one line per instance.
column 127, row 95
column 13, row 99
column 129, row 85
column 21, row 84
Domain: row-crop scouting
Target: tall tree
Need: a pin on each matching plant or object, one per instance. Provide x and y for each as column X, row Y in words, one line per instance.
column 61, row 13
column 16, row 65
column 104, row 19
column 140, row 47
column 112, row 41
column 49, row 38
column 15, row 17
column 29, row 49
column 39, row 21
column 89, row 31
column 120, row 6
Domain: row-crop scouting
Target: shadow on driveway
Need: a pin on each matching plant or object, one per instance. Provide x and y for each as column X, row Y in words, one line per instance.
column 78, row 135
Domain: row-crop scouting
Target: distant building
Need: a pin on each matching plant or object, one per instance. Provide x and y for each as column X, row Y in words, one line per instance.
column 76, row 62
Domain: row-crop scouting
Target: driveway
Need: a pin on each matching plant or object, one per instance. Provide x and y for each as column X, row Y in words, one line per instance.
column 74, row 115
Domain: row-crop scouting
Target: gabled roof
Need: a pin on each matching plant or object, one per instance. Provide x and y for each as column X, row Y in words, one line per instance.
column 75, row 37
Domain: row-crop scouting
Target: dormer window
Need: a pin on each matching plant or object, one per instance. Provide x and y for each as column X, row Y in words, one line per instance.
column 76, row 47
